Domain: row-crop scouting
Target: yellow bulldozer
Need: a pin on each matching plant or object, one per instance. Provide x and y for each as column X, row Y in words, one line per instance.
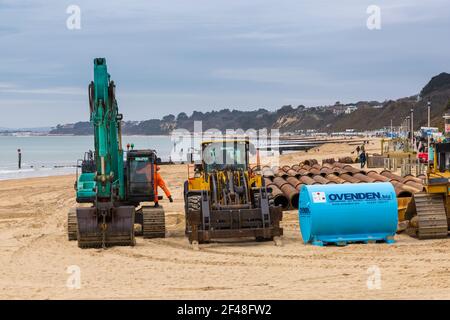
column 224, row 198
column 429, row 211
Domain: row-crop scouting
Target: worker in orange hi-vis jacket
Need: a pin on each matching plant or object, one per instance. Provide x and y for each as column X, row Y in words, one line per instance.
column 159, row 181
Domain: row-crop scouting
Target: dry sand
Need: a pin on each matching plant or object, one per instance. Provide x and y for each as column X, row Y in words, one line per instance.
column 35, row 255
column 331, row 150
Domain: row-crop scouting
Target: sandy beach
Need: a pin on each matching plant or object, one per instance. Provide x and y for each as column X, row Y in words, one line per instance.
column 35, row 255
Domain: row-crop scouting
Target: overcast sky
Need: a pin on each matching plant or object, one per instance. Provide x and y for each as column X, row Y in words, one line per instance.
column 169, row 56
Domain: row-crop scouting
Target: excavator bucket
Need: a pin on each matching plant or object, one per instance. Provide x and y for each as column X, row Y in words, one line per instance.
column 118, row 229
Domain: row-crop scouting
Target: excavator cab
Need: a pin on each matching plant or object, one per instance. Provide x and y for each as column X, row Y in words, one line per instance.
column 140, row 172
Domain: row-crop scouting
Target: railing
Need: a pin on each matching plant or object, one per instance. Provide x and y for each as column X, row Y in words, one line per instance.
column 406, row 166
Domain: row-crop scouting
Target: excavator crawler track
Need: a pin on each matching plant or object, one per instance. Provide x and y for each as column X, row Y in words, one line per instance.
column 72, row 224
column 431, row 216
column 154, row 222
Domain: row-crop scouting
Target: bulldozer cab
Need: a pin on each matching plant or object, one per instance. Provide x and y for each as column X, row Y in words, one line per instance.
column 438, row 175
column 442, row 157
column 140, row 173
column 226, row 154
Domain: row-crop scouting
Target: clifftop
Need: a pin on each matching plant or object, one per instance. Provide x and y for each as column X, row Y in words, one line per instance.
column 362, row 115
column 439, row 82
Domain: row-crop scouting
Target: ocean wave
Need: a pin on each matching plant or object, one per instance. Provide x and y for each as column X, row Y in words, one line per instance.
column 16, row 171
column 8, row 174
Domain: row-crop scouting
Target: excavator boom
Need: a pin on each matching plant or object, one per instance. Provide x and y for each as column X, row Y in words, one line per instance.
column 106, row 122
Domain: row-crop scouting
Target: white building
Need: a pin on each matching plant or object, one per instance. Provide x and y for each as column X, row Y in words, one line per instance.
column 350, row 109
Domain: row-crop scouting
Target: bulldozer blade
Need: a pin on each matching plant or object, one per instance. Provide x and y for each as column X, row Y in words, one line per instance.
column 119, row 229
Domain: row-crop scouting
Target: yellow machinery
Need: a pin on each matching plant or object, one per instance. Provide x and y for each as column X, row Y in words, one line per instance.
column 429, row 212
column 224, row 198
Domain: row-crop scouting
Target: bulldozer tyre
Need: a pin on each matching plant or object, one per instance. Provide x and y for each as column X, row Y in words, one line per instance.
column 193, row 203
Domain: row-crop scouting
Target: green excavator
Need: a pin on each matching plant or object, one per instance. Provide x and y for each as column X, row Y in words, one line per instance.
column 109, row 189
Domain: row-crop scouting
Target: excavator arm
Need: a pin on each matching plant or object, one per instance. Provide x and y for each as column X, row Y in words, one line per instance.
column 106, row 121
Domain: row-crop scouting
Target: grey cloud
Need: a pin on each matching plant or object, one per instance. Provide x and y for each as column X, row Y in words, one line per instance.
column 168, row 56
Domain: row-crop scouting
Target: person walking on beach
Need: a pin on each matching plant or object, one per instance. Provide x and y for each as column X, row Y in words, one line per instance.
column 362, row 158
column 19, row 158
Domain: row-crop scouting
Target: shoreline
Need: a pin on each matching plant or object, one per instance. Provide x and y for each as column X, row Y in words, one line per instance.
column 37, row 176
column 76, row 135
column 31, row 179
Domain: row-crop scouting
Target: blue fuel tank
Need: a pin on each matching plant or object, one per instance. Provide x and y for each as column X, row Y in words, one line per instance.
column 344, row 213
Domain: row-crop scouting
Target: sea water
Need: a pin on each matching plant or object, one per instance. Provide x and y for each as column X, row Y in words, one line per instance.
column 58, row 155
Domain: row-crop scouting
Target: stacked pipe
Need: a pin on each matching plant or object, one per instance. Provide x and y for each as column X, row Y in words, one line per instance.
column 288, row 190
column 279, row 199
column 346, row 160
column 310, row 162
column 287, row 181
column 328, row 161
